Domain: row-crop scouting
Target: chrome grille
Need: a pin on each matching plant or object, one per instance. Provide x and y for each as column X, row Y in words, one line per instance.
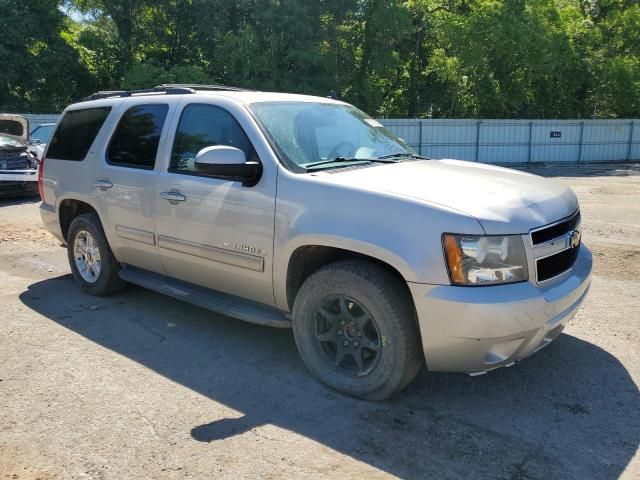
column 556, row 247
column 14, row 161
column 556, row 230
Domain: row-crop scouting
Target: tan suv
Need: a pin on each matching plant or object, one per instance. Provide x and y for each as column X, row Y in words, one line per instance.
column 304, row 212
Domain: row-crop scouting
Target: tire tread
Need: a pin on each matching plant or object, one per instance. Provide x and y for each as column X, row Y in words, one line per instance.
column 386, row 287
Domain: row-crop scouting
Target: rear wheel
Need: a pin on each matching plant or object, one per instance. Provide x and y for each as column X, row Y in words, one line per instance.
column 355, row 328
column 93, row 265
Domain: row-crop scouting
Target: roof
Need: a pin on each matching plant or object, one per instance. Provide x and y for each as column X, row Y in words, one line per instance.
column 179, row 90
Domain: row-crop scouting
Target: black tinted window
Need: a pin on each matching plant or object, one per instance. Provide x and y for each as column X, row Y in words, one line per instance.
column 135, row 141
column 76, row 132
column 204, row 126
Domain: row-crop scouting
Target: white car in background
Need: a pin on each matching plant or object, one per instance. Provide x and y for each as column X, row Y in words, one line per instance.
column 18, row 162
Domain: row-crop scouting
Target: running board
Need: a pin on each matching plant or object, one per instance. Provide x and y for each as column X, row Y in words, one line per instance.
column 218, row 302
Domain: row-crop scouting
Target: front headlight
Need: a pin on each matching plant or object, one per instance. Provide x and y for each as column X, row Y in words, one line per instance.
column 485, row 260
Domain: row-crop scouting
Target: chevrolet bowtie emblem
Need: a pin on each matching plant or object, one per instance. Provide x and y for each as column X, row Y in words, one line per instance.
column 575, row 238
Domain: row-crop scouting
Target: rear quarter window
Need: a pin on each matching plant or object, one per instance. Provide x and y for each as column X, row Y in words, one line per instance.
column 76, row 132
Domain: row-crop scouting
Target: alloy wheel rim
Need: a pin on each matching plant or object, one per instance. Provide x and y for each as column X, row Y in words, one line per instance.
column 87, row 256
column 347, row 335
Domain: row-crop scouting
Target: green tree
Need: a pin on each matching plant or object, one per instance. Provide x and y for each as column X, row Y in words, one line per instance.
column 447, row 58
column 41, row 69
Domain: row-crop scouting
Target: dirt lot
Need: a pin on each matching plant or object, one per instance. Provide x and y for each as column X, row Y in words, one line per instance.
column 143, row 386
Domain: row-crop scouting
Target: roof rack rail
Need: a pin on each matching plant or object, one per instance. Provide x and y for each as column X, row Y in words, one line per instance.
column 160, row 89
column 196, row 86
column 167, row 89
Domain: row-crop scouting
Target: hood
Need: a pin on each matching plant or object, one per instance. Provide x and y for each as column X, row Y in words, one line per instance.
column 15, row 126
column 504, row 201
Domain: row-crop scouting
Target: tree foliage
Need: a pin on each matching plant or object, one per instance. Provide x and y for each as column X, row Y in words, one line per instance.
column 441, row 58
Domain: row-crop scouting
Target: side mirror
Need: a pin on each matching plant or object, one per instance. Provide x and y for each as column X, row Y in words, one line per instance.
column 228, row 163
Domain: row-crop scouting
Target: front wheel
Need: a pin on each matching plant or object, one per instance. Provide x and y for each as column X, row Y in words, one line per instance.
column 93, row 265
column 355, row 328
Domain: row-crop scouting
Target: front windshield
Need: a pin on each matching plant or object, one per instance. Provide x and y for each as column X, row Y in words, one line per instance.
column 308, row 134
column 42, row 133
column 9, row 142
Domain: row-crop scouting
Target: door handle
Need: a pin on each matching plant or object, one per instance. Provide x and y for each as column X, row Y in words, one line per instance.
column 103, row 184
column 173, row 196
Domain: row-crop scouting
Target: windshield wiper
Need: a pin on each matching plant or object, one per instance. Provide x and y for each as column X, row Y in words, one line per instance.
column 403, row 155
column 349, row 160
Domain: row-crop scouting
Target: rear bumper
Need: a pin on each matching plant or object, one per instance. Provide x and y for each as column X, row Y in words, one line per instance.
column 50, row 220
column 476, row 329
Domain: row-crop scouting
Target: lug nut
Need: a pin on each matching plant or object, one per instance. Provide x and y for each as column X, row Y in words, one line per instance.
column 359, row 334
column 339, row 332
column 356, row 344
column 343, row 323
column 346, row 343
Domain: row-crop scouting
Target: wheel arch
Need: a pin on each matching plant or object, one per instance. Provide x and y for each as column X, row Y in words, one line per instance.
column 307, row 258
column 70, row 208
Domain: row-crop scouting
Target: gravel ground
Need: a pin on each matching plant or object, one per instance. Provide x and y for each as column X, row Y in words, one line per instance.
column 143, row 386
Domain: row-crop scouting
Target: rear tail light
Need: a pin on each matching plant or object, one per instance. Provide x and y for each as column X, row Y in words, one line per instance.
column 40, row 172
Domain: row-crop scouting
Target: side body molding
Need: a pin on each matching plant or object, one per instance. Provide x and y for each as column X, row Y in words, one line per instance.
column 136, row 234
column 236, row 259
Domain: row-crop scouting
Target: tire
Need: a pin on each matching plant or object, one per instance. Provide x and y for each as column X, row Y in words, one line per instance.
column 107, row 281
column 335, row 302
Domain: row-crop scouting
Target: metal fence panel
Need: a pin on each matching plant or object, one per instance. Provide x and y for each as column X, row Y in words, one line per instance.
column 522, row 141
column 606, row 141
column 634, row 135
column 507, row 141
column 38, row 119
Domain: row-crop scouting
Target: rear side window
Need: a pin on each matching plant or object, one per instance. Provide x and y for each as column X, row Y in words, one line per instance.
column 76, row 132
column 135, row 142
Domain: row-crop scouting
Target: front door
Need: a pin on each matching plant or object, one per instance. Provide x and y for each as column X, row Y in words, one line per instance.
column 212, row 232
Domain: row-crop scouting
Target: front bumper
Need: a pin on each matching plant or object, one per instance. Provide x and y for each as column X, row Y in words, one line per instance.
column 18, row 182
column 18, row 175
column 477, row 329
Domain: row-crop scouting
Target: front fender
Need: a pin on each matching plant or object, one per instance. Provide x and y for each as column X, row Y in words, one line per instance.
column 404, row 233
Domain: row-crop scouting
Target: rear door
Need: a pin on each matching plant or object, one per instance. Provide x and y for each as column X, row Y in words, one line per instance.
column 219, row 233
column 124, row 181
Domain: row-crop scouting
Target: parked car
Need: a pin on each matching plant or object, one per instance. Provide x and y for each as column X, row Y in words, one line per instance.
column 39, row 137
column 18, row 164
column 304, row 212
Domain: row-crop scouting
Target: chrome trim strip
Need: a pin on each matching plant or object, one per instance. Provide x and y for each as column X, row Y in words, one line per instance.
column 135, row 234
column 552, row 247
column 215, row 254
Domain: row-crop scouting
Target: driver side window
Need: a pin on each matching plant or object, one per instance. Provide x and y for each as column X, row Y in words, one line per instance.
column 205, row 126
